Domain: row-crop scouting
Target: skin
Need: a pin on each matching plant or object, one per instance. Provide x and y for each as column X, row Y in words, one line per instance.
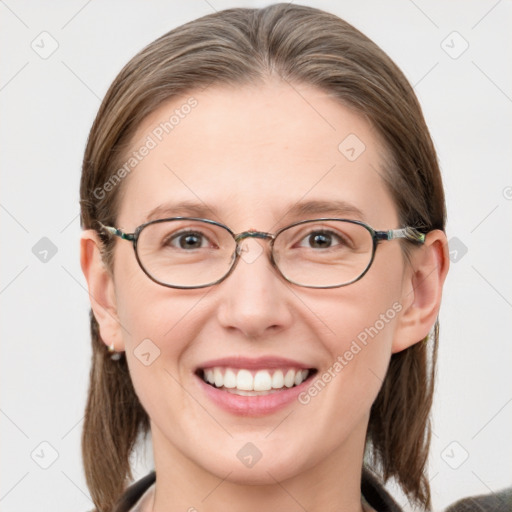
column 251, row 153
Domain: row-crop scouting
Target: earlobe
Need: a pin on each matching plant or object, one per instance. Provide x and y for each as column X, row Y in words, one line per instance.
column 421, row 296
column 101, row 289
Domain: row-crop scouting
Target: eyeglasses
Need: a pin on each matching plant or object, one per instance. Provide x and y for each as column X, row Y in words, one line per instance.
column 189, row 252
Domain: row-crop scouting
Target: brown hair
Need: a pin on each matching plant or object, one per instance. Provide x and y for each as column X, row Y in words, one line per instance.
column 246, row 46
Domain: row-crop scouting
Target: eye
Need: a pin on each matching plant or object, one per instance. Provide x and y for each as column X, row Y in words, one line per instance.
column 187, row 240
column 321, row 240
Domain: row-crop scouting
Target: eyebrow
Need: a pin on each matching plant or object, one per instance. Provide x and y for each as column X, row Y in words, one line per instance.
column 334, row 208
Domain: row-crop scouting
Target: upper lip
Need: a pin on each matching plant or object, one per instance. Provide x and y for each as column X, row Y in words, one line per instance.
column 255, row 363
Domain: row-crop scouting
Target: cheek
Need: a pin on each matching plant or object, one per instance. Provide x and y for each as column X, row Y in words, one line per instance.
column 341, row 395
column 361, row 347
column 157, row 325
column 364, row 311
column 156, row 316
column 360, row 324
column 146, row 309
column 160, row 327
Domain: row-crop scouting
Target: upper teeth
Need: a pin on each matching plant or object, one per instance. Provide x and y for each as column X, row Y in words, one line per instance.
column 261, row 380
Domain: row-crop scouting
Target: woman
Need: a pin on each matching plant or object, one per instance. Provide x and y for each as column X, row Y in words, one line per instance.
column 275, row 328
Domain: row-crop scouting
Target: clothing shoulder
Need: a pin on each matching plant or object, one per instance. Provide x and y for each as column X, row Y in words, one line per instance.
column 133, row 493
column 496, row 502
column 375, row 494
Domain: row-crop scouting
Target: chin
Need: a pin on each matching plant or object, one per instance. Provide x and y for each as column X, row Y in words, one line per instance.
column 259, row 463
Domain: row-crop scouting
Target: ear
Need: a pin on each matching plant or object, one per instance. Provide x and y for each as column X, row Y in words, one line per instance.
column 101, row 289
column 422, row 289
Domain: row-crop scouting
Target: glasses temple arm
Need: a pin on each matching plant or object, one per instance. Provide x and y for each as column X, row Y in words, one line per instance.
column 117, row 232
column 409, row 233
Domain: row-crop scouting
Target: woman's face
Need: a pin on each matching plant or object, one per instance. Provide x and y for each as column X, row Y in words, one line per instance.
column 250, row 156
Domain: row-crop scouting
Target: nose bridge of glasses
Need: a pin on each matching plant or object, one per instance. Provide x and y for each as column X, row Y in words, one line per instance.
column 253, row 234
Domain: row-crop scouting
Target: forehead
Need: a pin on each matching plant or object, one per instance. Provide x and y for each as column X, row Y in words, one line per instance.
column 249, row 153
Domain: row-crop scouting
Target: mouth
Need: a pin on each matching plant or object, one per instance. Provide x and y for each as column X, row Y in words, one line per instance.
column 253, row 386
column 254, row 382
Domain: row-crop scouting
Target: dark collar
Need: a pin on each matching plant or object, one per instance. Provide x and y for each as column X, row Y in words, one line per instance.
column 371, row 488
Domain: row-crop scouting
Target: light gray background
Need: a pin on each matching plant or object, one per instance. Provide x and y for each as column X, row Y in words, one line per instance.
column 47, row 107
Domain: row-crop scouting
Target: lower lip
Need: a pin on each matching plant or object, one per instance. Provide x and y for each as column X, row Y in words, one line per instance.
column 253, row 405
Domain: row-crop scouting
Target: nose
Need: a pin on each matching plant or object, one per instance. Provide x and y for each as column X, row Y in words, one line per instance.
column 255, row 299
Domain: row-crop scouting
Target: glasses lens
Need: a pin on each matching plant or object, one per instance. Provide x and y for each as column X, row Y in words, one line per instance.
column 185, row 253
column 323, row 253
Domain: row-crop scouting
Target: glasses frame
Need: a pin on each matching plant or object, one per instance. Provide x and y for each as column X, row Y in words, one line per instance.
column 408, row 233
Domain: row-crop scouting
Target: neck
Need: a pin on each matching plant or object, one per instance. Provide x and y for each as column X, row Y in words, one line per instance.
column 331, row 485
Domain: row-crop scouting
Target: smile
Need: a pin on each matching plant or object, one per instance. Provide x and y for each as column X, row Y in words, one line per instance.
column 247, row 382
column 253, row 387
